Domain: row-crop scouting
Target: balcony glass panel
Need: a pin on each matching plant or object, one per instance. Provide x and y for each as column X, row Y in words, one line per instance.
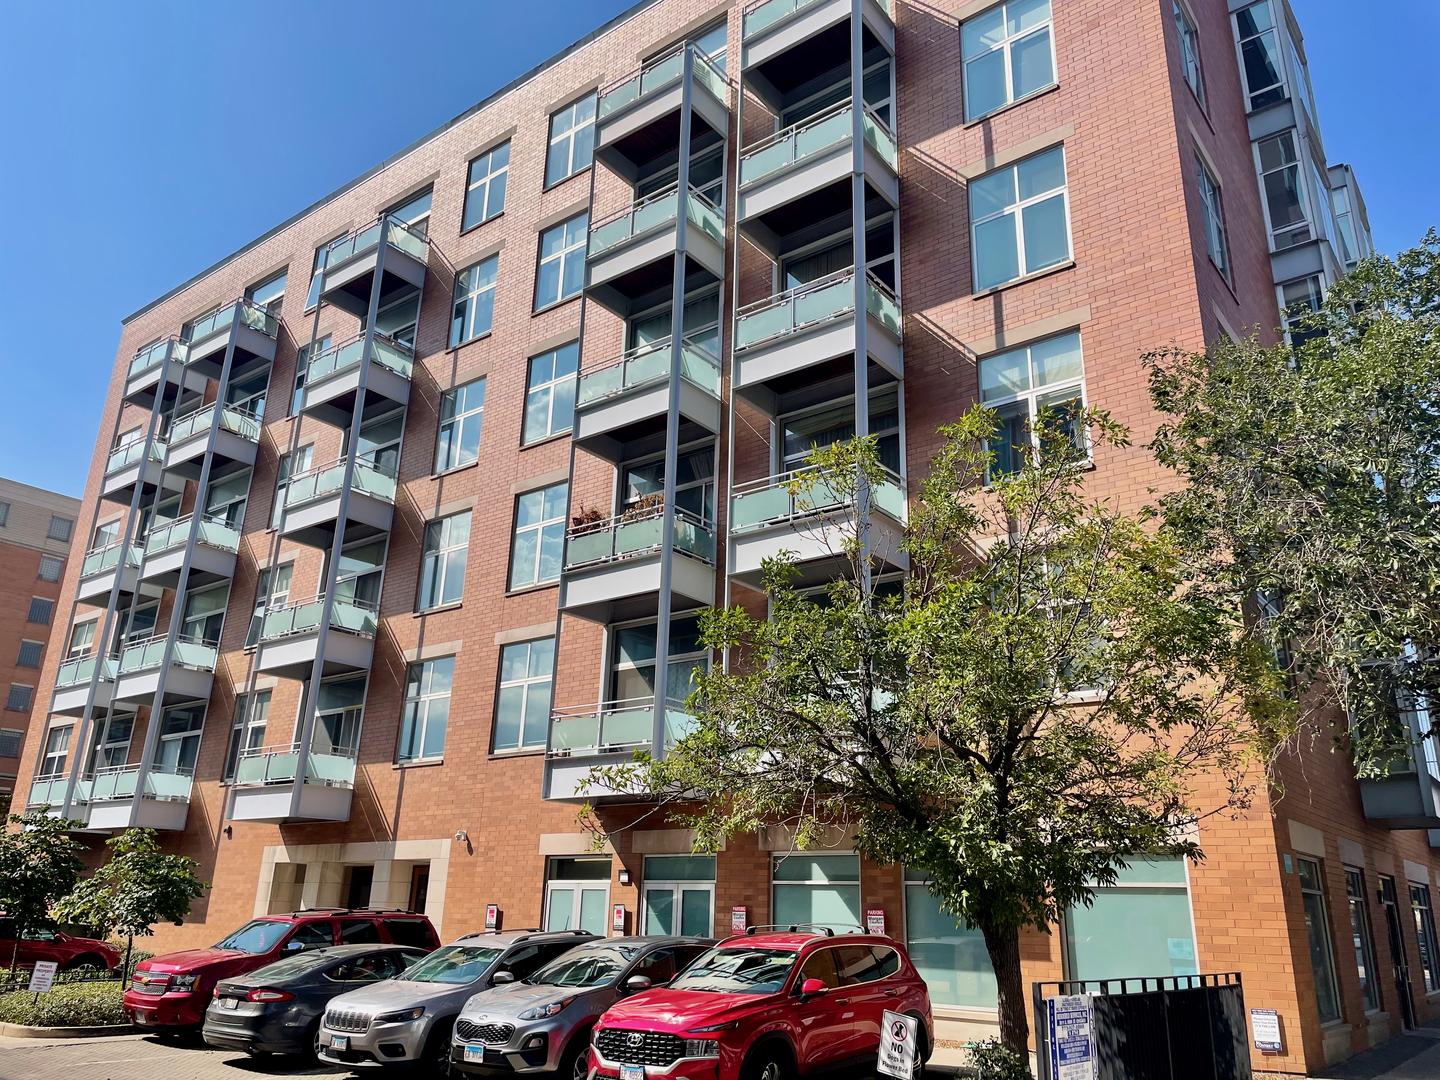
column 765, row 15
column 50, row 791
column 242, row 424
column 304, row 616
column 882, row 304
column 278, row 765
column 705, row 217
column 802, row 306
column 326, row 480
column 880, row 139
column 347, row 247
column 631, row 369
column 651, row 77
column 247, row 313
column 151, row 653
column 700, row 366
column 82, row 670
column 648, row 213
column 102, row 559
column 612, row 725
column 214, row 533
column 397, row 357
column 114, row 783
column 780, row 498
column 123, row 457
column 154, row 355
column 795, row 143
column 637, row 533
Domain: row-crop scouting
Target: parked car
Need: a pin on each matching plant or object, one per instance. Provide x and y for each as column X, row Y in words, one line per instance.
column 276, row 1009
column 407, row 1021
column 70, row 952
column 765, row 1006
column 171, row 992
column 542, row 1023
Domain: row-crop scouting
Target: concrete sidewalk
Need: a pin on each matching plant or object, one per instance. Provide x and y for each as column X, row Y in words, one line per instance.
column 1415, row 1055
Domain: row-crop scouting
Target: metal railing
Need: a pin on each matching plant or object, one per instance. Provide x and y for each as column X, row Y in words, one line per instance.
column 261, row 766
column 652, row 212
column 397, row 234
column 98, row 560
column 800, row 493
column 395, row 355
column 815, row 302
column 646, row 364
column 303, row 616
column 82, row 670
column 764, row 14
column 326, row 479
column 149, row 653
column 246, row 312
column 123, row 457
column 659, row 72
column 614, row 726
column 117, row 782
column 152, row 355
column 636, row 533
column 214, row 532
column 50, row 791
column 828, row 128
column 194, row 423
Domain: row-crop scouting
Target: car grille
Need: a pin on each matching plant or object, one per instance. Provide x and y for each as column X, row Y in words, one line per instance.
column 150, row 984
column 347, row 1020
column 639, row 1047
column 490, row 1034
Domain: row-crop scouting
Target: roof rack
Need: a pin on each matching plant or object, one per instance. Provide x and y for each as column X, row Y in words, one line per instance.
column 351, row 911
column 792, row 928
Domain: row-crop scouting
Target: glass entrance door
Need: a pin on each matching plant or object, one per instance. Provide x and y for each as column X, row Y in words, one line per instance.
column 577, row 894
column 679, row 895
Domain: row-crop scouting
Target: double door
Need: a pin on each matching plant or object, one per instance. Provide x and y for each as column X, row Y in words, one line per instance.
column 682, row 907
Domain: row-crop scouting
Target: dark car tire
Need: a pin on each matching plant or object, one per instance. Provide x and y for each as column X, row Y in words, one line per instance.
column 312, row 1040
column 435, row 1058
column 575, row 1061
column 922, row 1049
column 769, row 1061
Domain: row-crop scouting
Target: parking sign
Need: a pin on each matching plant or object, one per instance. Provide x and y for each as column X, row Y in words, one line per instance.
column 897, row 1045
column 1072, row 1037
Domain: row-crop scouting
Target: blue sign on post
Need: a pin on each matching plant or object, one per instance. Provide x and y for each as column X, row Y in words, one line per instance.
column 1070, row 1022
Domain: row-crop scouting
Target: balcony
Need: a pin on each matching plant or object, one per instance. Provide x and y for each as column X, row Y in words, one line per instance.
column 771, row 28
column 265, row 785
column 608, row 733
column 627, row 397
column 312, row 504
column 102, row 566
column 191, row 672
column 779, row 339
column 111, row 798
column 347, row 266
column 213, row 558
column 290, row 637
column 50, row 791
column 637, row 119
column 236, row 440
column 332, row 379
column 802, row 161
column 142, row 382
column 631, row 253
column 72, row 685
column 130, row 464
column 612, row 567
column 254, row 331
column 815, row 523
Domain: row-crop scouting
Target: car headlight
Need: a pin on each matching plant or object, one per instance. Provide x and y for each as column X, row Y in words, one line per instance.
column 400, row 1017
column 702, row 1048
column 540, row 1012
column 716, row 1027
column 182, row 983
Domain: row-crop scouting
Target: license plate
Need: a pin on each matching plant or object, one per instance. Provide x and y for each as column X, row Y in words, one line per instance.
column 229, row 1003
column 632, row 1072
column 475, row 1053
column 340, row 1042
column 143, row 1017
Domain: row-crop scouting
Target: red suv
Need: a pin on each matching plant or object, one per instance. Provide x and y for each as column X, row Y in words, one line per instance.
column 765, row 1006
column 67, row 951
column 172, row 991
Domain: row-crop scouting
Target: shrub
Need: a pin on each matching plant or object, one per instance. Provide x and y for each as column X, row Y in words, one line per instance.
column 70, row 1005
column 993, row 1061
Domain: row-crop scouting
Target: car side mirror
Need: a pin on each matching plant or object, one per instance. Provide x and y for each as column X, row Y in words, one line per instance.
column 502, row 977
column 810, row 987
column 294, row 946
column 636, row 983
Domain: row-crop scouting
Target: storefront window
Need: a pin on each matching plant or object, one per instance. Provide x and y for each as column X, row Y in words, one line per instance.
column 1141, row 926
column 951, row 959
column 819, row 889
column 679, row 894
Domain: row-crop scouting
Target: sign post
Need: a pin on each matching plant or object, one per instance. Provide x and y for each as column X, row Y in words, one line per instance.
column 1070, row 1023
column 898, row 1038
column 42, row 979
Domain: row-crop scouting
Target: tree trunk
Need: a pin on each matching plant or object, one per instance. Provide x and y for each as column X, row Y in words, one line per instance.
column 14, row 955
column 125, row 967
column 1003, row 945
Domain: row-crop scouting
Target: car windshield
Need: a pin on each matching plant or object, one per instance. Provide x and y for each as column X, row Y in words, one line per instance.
column 738, row 971
column 299, row 964
column 585, row 967
column 256, row 937
column 452, row 964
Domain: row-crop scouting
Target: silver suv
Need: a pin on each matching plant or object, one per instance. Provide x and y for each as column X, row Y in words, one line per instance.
column 542, row 1023
column 406, row 1021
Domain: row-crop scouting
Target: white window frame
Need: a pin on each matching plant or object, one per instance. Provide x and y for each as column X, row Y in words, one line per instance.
column 170, row 738
column 446, row 550
column 1033, row 394
column 1302, row 184
column 77, row 647
column 1187, row 32
column 1006, row 44
column 538, row 527
column 420, row 695
column 474, row 296
column 561, row 258
column 1017, row 210
column 292, row 464
column 812, row 883
column 49, row 753
column 567, row 115
column 252, row 716
column 450, row 452
column 548, row 388
column 527, row 684
column 269, row 595
column 577, row 888
column 1282, row 64
column 1328, row 934
column 677, row 888
column 267, row 284
column 485, row 186
column 1212, row 215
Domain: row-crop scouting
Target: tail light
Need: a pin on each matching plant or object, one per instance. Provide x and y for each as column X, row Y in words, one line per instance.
column 269, row 995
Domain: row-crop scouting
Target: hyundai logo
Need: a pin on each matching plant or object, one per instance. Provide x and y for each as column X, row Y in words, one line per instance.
column 635, row 1038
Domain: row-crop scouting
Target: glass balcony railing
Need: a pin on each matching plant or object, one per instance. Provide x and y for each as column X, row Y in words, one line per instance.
column 662, row 71
column 614, row 726
column 649, row 363
column 232, row 420
column 814, row 302
column 214, row 532
column 267, row 765
column 636, row 533
column 150, row 653
column 153, row 355
column 766, row 13
column 783, row 498
column 810, row 136
column 244, row 312
column 882, row 304
column 101, row 559
column 81, row 670
column 303, row 616
column 326, row 480
column 119, row 782
column 880, row 138
column 398, row 357
column 397, row 234
column 50, row 791
column 122, row 457
column 653, row 212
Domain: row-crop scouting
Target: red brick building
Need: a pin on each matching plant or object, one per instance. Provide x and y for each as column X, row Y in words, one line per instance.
column 367, row 624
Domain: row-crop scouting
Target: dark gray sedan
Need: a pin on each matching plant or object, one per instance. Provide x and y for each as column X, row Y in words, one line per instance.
column 276, row 1009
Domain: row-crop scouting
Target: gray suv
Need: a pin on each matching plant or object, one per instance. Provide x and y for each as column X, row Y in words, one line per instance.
column 406, row 1021
column 542, row 1023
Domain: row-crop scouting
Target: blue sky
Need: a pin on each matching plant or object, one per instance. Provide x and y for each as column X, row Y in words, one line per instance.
column 145, row 140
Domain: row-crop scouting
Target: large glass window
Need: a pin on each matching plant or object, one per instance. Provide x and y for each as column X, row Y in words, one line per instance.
column 180, row 730
column 485, row 190
column 1284, row 192
column 539, row 537
column 292, row 464
column 632, row 667
column 427, row 709
column 820, row 889
column 1317, row 932
column 225, row 499
column 415, row 211
column 834, row 422
column 1019, row 221
column 110, row 744
column 679, row 895
column 1213, row 217
column 1189, row 39
column 550, row 393
column 205, row 615
column 272, row 591
column 461, row 411
column 577, row 894
column 303, row 356
column 644, row 483
column 572, row 140
column 561, row 273
column 1361, row 939
column 270, row 293
column 1008, row 54
column 447, row 547
column 1019, row 385
column 474, row 301
column 1299, row 299
column 951, row 959
column 1140, row 926
column 1425, row 936
column 252, row 713
column 1260, row 55
column 522, row 711
column 57, row 751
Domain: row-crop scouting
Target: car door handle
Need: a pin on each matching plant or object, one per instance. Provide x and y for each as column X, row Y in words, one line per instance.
column 892, row 993
column 841, row 1001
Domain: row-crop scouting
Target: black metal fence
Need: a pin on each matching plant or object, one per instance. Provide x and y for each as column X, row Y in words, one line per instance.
column 21, row 978
column 1178, row 1027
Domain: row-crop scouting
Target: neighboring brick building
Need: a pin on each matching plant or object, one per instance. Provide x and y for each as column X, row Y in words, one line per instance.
column 36, row 527
column 1107, row 183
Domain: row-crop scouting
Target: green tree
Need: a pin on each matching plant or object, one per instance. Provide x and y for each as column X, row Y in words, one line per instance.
column 1311, row 480
column 39, row 863
column 137, row 888
column 1026, row 716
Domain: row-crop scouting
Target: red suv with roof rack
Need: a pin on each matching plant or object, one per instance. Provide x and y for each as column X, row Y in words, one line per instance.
column 771, row 1004
column 172, row 991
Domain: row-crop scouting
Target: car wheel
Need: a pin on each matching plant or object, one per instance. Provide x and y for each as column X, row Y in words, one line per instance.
column 922, row 1050
column 767, row 1063
column 435, row 1060
column 575, row 1062
column 313, row 1039
column 86, row 963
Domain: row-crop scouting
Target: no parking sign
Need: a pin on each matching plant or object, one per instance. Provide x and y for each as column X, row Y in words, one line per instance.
column 898, row 1035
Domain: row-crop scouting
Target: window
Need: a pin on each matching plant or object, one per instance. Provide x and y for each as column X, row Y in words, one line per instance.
column 30, row 652
column 247, row 395
column 142, row 621
column 447, row 544
column 11, row 742
column 522, row 712
column 1019, row 221
column 205, row 615
column 539, row 536
column 180, row 729
column 572, row 140
column 4, row 514
column 18, row 701
column 290, row 465
column 414, row 211
column 1213, row 217
column 679, row 895
column 1284, row 193
column 1189, row 39
column 303, row 357
column 1260, row 55
column 550, row 393
column 485, row 190
column 577, row 894
column 248, row 730
column 1298, row 300
column 60, row 528
column 1340, row 206
column 561, row 273
column 82, row 638
column 367, row 932
column 952, row 959
column 821, row 889
column 427, row 709
column 225, row 498
column 50, row 568
column 1022, row 383
column 57, row 749
column 270, row 293
column 1361, row 939
column 461, row 411
column 1317, row 930
column 1425, row 936
column 40, row 610
column 1139, row 926
column 474, row 301
column 1007, row 54
column 632, row 668
column 312, row 298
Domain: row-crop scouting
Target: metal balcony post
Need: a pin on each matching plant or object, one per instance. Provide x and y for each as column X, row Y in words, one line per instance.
column 862, row 355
